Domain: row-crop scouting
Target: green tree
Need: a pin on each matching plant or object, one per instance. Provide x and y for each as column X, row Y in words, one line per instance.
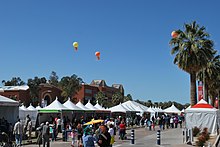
column 117, row 98
column 15, row 81
column 192, row 50
column 53, row 79
column 34, row 86
column 211, row 73
column 100, row 97
column 128, row 98
column 70, row 85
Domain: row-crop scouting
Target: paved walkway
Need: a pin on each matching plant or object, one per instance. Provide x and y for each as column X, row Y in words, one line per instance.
column 143, row 138
column 169, row 138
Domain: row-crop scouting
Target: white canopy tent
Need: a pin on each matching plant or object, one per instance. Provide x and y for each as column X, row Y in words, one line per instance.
column 132, row 106
column 90, row 106
column 9, row 106
column 99, row 106
column 119, row 108
column 172, row 109
column 55, row 106
column 203, row 115
column 80, row 105
column 72, row 106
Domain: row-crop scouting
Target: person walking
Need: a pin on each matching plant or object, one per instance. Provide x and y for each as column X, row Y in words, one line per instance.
column 18, row 132
column 104, row 137
column 79, row 134
column 46, row 134
column 88, row 139
column 29, row 130
column 39, row 137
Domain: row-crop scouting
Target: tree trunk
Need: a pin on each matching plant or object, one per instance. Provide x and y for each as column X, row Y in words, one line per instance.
column 213, row 101
column 193, row 95
column 206, row 93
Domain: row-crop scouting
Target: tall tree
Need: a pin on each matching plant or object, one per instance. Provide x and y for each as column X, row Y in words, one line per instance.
column 128, row 98
column 117, row 98
column 100, row 97
column 193, row 50
column 210, row 74
column 15, row 81
column 70, row 85
column 53, row 79
column 34, row 86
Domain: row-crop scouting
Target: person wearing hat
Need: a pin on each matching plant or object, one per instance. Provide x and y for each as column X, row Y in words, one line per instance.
column 88, row 139
column 46, row 134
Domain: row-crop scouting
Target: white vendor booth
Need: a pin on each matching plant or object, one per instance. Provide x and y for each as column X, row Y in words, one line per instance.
column 9, row 109
column 202, row 115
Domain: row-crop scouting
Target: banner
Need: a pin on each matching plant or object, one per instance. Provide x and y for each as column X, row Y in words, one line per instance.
column 200, row 90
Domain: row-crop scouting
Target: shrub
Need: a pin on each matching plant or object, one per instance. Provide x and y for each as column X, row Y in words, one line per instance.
column 196, row 131
column 205, row 133
column 201, row 141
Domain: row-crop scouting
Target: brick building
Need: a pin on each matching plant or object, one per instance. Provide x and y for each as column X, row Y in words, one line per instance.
column 47, row 92
column 18, row 93
column 88, row 91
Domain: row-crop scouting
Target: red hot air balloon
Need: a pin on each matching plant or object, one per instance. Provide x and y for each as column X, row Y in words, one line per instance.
column 97, row 54
column 174, row 34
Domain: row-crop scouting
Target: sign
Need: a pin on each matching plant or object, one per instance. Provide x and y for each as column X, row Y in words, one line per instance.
column 200, row 90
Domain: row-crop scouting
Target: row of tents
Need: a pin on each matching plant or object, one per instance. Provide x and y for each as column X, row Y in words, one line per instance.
column 200, row 115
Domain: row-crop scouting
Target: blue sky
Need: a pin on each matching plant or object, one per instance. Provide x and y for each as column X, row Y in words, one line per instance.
column 133, row 37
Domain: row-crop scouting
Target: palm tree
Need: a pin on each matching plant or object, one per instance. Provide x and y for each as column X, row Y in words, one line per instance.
column 193, row 50
column 210, row 74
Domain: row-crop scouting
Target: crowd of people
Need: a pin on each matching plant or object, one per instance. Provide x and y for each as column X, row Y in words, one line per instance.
column 102, row 133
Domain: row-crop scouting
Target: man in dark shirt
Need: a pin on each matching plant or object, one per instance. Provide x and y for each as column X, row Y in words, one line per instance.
column 104, row 137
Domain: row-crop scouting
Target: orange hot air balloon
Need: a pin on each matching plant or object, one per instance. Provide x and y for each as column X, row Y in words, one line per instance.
column 75, row 45
column 97, row 54
column 174, row 34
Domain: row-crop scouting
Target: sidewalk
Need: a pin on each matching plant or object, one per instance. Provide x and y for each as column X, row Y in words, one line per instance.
column 169, row 138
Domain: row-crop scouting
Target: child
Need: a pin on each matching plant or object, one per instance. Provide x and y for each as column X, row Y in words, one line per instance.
column 73, row 135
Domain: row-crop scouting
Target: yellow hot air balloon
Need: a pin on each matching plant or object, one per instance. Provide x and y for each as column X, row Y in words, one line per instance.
column 75, row 45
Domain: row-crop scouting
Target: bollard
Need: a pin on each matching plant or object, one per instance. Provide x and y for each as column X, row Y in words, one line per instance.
column 158, row 137
column 183, row 135
column 132, row 136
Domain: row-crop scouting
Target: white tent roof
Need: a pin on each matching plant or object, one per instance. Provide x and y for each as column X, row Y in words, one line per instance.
column 132, row 105
column 119, row 108
column 151, row 110
column 55, row 105
column 71, row 106
column 23, row 108
column 4, row 101
column 98, row 106
column 90, row 106
column 202, row 102
column 172, row 109
column 31, row 108
column 38, row 107
column 80, row 105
